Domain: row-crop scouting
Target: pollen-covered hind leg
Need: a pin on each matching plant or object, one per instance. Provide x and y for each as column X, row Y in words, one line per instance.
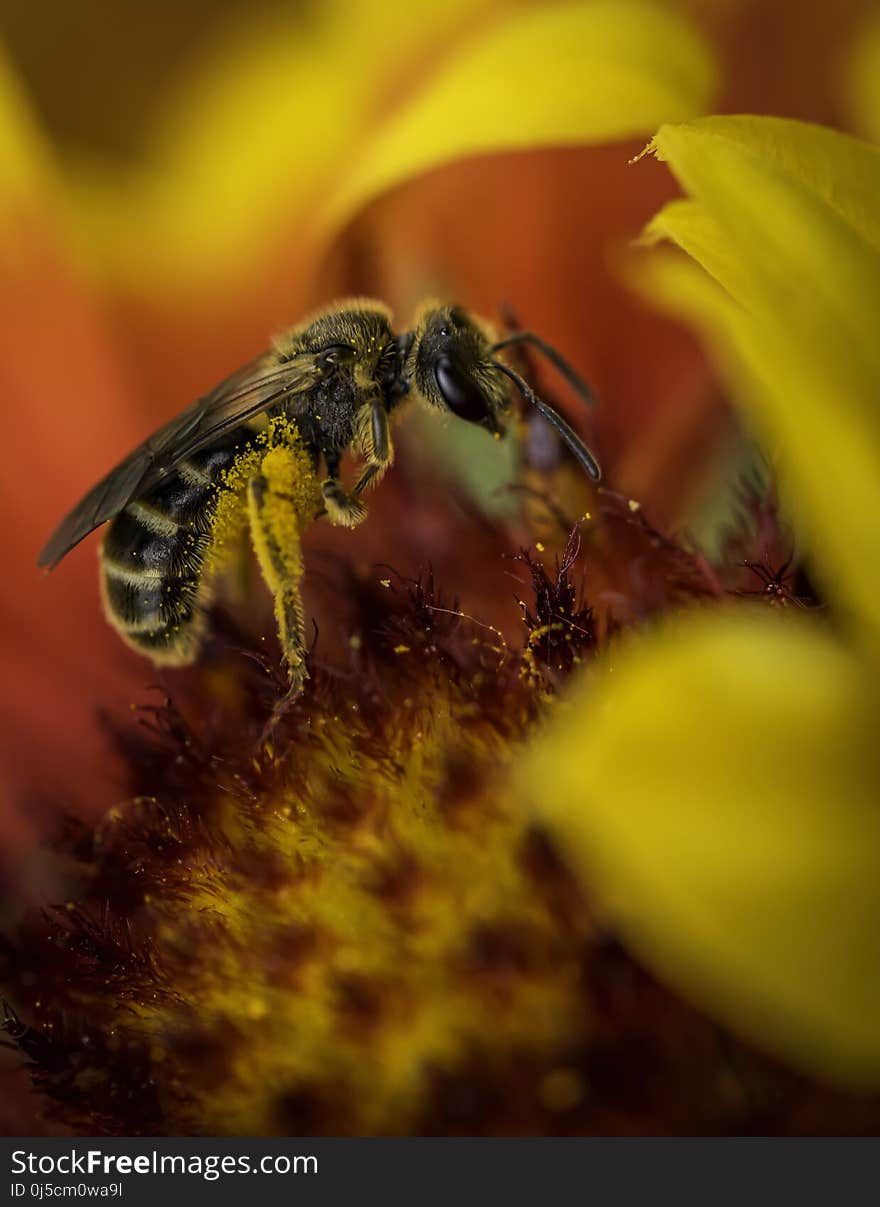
column 275, row 531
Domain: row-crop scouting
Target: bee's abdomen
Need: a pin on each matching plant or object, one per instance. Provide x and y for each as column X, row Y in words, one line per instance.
column 153, row 558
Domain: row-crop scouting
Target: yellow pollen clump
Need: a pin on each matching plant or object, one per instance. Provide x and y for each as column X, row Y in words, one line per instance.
column 278, row 455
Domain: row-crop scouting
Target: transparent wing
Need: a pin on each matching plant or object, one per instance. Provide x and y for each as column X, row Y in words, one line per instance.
column 259, row 385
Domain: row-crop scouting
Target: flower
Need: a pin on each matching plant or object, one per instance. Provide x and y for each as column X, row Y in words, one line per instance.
column 361, row 930
column 431, row 903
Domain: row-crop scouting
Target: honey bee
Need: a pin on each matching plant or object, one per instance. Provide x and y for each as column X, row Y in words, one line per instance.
column 249, row 455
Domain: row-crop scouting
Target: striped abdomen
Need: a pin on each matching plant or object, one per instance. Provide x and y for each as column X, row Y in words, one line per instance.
column 153, row 556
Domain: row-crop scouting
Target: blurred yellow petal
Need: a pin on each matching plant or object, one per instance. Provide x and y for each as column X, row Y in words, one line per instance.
column 554, row 75
column 23, row 160
column 289, row 127
column 861, row 83
column 717, row 786
column 253, row 139
column 784, row 216
column 22, row 153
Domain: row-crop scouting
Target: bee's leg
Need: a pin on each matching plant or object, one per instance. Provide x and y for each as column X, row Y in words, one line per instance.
column 376, row 442
column 275, row 528
column 342, row 507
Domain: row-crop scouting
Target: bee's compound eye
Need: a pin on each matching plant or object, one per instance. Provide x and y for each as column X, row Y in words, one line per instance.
column 444, row 330
column 335, row 354
column 459, row 392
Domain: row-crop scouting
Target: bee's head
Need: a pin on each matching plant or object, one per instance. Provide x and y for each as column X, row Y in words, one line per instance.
column 451, row 364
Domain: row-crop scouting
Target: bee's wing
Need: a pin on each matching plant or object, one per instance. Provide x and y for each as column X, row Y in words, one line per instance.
column 259, row 385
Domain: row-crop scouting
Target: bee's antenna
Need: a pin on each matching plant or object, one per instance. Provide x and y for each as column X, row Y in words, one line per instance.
column 571, row 438
column 556, row 359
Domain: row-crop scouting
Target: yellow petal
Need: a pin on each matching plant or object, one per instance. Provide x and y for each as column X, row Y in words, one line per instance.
column 717, row 787
column 712, row 153
column 554, row 75
column 783, row 215
column 23, row 164
column 291, row 126
column 247, row 147
column 861, row 80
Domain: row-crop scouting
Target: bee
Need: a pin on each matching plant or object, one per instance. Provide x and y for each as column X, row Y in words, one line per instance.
column 250, row 455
